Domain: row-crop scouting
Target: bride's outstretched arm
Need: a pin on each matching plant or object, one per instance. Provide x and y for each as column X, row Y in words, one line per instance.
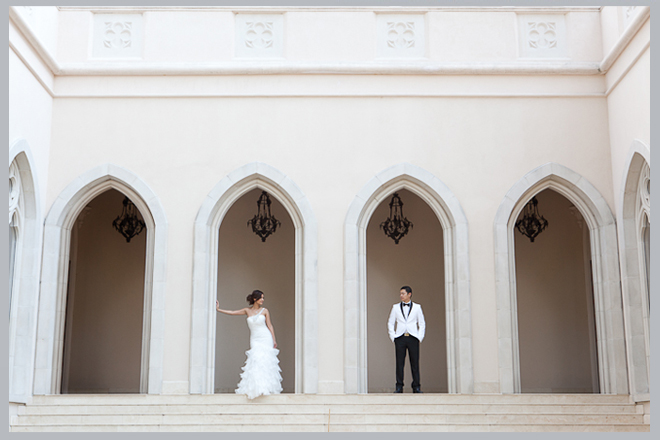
column 229, row 312
column 270, row 327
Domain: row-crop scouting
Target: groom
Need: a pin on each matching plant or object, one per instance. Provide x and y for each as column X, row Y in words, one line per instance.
column 410, row 327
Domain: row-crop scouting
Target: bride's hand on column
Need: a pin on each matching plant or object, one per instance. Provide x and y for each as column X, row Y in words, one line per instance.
column 217, row 305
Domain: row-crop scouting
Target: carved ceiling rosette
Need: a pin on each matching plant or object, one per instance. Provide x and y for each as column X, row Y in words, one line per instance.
column 117, row 34
column 400, row 35
column 259, row 34
column 542, row 34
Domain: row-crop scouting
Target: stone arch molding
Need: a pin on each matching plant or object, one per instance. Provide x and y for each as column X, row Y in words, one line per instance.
column 607, row 295
column 52, row 305
column 26, row 212
column 205, row 281
column 457, row 281
column 633, row 282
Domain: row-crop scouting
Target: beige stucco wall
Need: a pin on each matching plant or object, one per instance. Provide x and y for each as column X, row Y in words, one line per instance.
column 629, row 103
column 245, row 263
column 29, row 130
column 330, row 147
column 330, row 133
column 104, row 340
column 30, row 118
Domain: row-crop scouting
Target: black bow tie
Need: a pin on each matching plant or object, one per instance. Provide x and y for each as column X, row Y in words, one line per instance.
column 406, row 305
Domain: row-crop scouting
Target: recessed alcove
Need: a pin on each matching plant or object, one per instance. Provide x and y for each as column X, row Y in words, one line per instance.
column 245, row 263
column 556, row 323
column 103, row 332
column 417, row 261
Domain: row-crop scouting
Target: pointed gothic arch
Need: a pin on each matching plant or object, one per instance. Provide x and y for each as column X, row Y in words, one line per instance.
column 52, row 304
column 607, row 295
column 457, row 281
column 633, row 208
column 205, row 264
column 25, row 220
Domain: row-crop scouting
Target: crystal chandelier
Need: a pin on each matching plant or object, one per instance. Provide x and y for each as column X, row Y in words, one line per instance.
column 128, row 224
column 532, row 223
column 264, row 223
column 396, row 226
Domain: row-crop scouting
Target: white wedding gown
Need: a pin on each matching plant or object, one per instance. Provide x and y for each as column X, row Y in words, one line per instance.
column 261, row 373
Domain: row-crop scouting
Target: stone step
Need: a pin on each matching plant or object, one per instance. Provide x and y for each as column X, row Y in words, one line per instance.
column 320, row 418
column 397, row 399
column 335, row 428
column 339, row 413
column 490, row 428
column 462, row 408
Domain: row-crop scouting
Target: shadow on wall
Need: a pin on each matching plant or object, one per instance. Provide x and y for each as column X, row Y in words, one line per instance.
column 417, row 261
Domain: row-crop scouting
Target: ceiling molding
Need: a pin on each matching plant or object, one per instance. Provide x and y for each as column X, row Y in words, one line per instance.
column 330, row 68
column 374, row 9
column 284, row 67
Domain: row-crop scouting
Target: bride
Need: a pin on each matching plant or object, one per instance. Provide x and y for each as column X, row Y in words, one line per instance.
column 261, row 373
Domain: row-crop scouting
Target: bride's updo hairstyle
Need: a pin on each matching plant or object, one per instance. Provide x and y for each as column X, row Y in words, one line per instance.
column 254, row 296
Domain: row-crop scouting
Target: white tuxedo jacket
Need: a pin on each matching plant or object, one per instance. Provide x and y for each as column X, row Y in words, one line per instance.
column 412, row 324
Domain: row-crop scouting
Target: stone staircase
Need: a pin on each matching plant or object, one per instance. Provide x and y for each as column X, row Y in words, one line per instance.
column 333, row 413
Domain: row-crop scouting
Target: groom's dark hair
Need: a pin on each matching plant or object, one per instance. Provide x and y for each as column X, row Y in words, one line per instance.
column 408, row 289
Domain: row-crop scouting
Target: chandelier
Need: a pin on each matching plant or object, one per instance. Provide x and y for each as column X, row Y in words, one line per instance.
column 396, row 226
column 128, row 224
column 532, row 223
column 264, row 223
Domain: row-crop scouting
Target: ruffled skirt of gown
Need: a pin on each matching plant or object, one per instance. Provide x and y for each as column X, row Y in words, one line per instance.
column 261, row 373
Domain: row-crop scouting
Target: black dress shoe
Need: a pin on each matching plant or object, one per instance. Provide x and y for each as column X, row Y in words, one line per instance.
column 399, row 390
column 417, row 390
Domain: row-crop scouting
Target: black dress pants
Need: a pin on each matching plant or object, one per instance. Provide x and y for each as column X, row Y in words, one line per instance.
column 401, row 344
